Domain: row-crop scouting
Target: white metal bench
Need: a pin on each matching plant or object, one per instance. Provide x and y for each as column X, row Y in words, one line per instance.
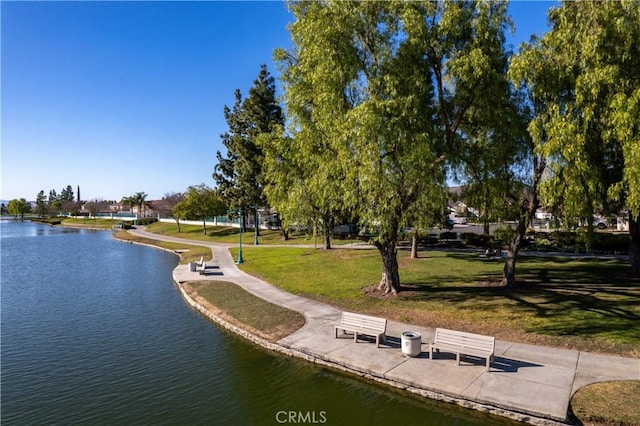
column 362, row 324
column 460, row 342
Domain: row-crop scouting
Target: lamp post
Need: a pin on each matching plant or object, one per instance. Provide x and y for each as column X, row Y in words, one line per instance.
column 240, row 259
column 255, row 239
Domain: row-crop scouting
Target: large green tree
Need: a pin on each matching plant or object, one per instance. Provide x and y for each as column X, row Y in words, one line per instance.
column 495, row 154
column 239, row 176
column 584, row 74
column 19, row 206
column 303, row 180
column 168, row 204
column 41, row 208
column 385, row 87
column 500, row 167
column 66, row 194
column 199, row 203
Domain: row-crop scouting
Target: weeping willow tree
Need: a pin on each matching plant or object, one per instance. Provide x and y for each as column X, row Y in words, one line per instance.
column 583, row 76
column 376, row 93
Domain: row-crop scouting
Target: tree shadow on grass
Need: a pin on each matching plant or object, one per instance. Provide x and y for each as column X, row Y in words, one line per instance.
column 572, row 297
column 222, row 231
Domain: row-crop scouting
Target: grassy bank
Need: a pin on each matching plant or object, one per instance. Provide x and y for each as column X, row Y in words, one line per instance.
column 608, row 403
column 231, row 302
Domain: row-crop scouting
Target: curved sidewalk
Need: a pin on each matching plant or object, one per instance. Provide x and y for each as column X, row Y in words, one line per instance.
column 528, row 383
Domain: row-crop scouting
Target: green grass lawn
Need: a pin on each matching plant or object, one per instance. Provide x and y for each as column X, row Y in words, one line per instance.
column 273, row 322
column 91, row 222
column 583, row 304
column 230, row 235
column 608, row 403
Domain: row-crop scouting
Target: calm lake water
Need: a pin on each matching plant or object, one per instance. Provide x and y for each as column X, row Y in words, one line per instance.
column 94, row 332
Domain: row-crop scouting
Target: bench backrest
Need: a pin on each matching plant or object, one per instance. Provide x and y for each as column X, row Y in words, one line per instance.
column 465, row 340
column 360, row 320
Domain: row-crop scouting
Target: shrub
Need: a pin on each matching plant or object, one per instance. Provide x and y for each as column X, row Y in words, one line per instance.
column 611, row 243
column 478, row 240
column 504, row 234
column 146, row 220
column 448, row 236
column 564, row 240
column 572, row 241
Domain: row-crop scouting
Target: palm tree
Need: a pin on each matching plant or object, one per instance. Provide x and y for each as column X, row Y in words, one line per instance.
column 127, row 201
column 141, row 202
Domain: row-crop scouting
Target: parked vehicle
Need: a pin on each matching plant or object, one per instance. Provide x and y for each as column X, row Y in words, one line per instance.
column 600, row 223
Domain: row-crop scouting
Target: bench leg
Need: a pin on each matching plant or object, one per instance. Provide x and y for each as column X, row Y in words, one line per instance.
column 343, row 331
column 458, row 357
column 489, row 361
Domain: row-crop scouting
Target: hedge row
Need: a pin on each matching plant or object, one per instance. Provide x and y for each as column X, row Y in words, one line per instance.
column 563, row 241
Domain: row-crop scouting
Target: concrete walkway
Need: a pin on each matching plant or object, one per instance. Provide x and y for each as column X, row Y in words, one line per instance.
column 528, row 383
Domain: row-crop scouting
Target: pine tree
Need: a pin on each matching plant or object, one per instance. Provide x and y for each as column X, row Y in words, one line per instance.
column 239, row 175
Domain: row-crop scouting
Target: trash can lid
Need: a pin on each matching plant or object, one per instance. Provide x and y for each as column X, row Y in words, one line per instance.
column 410, row 334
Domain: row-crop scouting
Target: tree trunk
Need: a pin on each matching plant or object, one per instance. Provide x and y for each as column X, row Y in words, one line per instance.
column 390, row 282
column 486, row 227
column 527, row 211
column 326, row 236
column 634, row 248
column 178, row 223
column 327, row 225
column 509, row 270
column 204, row 226
column 284, row 230
column 414, row 246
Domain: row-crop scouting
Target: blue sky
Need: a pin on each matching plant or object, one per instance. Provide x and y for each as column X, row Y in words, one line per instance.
column 122, row 97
